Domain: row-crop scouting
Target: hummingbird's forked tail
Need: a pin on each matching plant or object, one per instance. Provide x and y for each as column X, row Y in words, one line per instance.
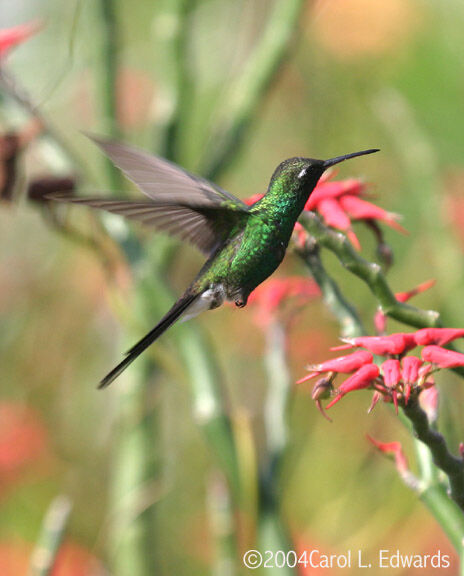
column 168, row 320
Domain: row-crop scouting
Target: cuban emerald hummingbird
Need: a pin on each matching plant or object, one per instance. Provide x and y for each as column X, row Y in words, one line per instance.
column 244, row 244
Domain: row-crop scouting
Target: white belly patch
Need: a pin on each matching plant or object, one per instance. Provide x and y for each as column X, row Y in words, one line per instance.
column 211, row 298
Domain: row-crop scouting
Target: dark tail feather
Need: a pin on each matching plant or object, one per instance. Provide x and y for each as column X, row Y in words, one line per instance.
column 168, row 320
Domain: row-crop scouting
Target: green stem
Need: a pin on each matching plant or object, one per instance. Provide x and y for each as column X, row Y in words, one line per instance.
column 180, row 90
column 453, row 467
column 447, row 514
column 135, row 466
column 347, row 316
column 279, row 385
column 208, row 394
column 272, row 531
column 249, row 90
column 370, row 272
column 51, row 535
column 221, row 513
column 108, row 81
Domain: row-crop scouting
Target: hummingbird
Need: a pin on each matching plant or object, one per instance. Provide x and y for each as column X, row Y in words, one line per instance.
column 243, row 244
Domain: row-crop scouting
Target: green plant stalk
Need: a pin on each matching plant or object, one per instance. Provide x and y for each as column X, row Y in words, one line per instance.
column 180, row 87
column 135, row 465
column 222, row 522
column 446, row 513
column 370, row 272
column 249, row 90
column 452, row 466
column 208, row 394
column 108, row 82
column 350, row 323
column 50, row 538
column 434, row 452
column 272, row 530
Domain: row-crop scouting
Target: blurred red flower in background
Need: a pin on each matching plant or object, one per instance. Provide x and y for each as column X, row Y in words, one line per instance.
column 11, row 37
column 270, row 296
column 72, row 560
column 23, row 440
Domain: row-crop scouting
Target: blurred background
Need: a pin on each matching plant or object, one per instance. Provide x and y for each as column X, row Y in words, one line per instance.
column 359, row 74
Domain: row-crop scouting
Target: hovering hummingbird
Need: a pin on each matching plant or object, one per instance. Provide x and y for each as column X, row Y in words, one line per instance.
column 243, row 244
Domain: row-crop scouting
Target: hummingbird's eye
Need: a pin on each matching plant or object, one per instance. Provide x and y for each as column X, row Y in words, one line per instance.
column 302, row 173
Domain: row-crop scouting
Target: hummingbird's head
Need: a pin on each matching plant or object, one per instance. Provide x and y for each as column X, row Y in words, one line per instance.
column 305, row 172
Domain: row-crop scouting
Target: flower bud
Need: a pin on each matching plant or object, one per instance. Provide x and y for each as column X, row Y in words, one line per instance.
column 395, row 449
column 429, row 401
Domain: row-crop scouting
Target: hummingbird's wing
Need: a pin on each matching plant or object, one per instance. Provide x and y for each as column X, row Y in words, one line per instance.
column 205, row 225
column 162, row 180
column 181, row 204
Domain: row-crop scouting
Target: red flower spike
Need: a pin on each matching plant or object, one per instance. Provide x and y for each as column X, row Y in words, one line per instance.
column 360, row 209
column 429, row 401
column 343, row 364
column 11, row 37
column 381, row 345
column 405, row 296
column 361, row 379
column 437, row 336
column 461, row 450
column 325, row 190
column 334, row 216
column 395, row 449
column 441, row 357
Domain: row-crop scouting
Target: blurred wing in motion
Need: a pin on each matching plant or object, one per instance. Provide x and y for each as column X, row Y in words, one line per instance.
column 162, row 180
column 180, row 203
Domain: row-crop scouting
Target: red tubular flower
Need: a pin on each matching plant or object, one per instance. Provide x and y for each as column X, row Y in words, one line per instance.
column 337, row 189
column 360, row 209
column 410, row 374
column 361, row 379
column 11, row 37
column 405, row 296
column 441, row 357
column 391, row 376
column 438, row 336
column 271, row 294
column 395, row 449
column 335, row 216
column 343, row 365
column 391, row 370
column 381, row 345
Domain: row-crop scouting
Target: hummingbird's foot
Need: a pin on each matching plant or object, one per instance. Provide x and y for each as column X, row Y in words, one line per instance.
column 241, row 303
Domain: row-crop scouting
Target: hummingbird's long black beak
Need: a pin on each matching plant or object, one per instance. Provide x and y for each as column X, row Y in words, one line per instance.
column 332, row 161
